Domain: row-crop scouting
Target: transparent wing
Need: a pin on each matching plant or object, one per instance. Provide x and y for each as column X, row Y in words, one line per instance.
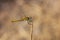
column 21, row 11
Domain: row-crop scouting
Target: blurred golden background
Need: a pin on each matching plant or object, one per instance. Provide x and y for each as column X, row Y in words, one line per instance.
column 45, row 14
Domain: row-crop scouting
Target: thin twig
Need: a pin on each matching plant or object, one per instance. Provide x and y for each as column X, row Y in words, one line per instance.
column 32, row 31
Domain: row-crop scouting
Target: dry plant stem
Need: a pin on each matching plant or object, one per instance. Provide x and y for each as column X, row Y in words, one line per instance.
column 32, row 32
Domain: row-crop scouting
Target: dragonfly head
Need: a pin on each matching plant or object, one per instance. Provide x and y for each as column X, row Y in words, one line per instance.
column 29, row 19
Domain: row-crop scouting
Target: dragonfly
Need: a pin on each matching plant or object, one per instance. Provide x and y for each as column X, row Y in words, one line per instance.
column 28, row 19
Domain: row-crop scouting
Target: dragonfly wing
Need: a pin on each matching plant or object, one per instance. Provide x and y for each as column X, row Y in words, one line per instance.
column 30, row 23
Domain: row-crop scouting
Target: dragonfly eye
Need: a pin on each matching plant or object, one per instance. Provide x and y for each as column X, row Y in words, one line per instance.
column 30, row 19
